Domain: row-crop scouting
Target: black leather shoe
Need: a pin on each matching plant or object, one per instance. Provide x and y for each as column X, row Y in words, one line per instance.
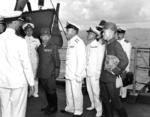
column 45, row 108
column 64, row 111
column 50, row 110
column 78, row 115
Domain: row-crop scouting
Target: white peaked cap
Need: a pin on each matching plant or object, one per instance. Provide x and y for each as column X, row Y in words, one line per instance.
column 27, row 24
column 93, row 29
column 10, row 14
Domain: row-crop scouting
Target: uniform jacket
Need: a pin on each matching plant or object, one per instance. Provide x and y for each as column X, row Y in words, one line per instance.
column 33, row 44
column 75, row 59
column 114, row 48
column 127, row 47
column 15, row 65
column 94, row 58
column 48, row 61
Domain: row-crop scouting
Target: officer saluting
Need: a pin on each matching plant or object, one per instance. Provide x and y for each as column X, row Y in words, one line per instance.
column 127, row 47
column 94, row 59
column 15, row 69
column 75, row 71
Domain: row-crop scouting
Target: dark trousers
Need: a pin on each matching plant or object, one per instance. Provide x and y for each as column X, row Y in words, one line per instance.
column 49, row 86
column 111, row 100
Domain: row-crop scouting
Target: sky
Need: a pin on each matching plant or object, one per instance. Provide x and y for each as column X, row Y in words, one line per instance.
column 86, row 13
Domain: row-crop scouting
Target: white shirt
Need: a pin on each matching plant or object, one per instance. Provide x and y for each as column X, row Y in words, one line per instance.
column 127, row 47
column 95, row 55
column 75, row 58
column 15, row 66
column 33, row 44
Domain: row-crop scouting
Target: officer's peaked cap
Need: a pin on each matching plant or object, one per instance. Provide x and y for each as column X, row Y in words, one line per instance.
column 45, row 31
column 101, row 25
column 10, row 15
column 94, row 30
column 71, row 25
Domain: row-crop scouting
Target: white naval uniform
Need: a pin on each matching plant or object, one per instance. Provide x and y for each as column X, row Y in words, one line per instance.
column 33, row 44
column 15, row 74
column 75, row 72
column 127, row 47
column 94, row 59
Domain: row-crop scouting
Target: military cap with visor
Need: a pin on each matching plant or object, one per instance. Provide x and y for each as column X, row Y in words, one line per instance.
column 71, row 25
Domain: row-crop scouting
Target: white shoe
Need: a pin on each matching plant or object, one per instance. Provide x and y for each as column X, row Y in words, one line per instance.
column 99, row 114
column 90, row 108
column 35, row 95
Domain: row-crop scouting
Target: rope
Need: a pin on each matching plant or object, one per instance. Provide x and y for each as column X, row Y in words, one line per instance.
column 59, row 19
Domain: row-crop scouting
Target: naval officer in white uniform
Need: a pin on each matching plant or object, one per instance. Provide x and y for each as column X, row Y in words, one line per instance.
column 94, row 58
column 33, row 43
column 75, row 71
column 127, row 47
column 15, row 69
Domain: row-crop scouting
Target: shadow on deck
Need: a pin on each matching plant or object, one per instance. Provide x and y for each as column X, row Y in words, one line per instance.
column 35, row 104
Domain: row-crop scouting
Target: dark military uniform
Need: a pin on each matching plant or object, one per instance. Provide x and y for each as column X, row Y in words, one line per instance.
column 109, row 92
column 49, row 63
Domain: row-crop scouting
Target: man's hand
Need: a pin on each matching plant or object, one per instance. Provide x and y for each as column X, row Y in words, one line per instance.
column 31, row 91
column 78, row 79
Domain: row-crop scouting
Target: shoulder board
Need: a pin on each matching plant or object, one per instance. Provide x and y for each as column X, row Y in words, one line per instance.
column 93, row 46
column 76, row 40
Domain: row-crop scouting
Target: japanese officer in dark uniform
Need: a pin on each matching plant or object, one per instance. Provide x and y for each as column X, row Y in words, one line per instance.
column 115, row 62
column 48, row 70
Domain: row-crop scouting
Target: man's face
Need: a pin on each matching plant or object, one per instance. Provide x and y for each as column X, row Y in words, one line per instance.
column 17, row 24
column 29, row 32
column 70, row 33
column 45, row 38
column 120, row 36
column 108, row 34
column 91, row 36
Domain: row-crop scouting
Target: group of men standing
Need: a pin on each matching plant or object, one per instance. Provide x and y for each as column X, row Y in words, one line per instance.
column 24, row 61
column 101, row 62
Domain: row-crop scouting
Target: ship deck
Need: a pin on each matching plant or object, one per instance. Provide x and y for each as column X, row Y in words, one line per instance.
column 35, row 104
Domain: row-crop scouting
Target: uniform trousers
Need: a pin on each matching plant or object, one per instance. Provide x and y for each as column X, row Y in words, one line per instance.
column 74, row 97
column 111, row 100
column 93, row 89
column 13, row 102
column 49, row 86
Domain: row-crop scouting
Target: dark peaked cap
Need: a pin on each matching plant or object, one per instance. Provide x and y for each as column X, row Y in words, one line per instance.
column 101, row 25
column 45, row 31
column 73, row 26
column 119, row 30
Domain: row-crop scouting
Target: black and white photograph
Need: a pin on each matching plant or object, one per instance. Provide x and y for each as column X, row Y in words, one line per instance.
column 74, row 58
